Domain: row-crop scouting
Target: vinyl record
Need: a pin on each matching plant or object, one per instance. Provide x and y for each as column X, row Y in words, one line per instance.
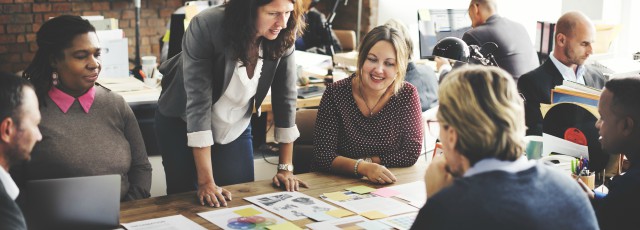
column 574, row 123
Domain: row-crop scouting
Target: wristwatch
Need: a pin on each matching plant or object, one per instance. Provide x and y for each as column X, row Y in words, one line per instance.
column 286, row 167
column 368, row 160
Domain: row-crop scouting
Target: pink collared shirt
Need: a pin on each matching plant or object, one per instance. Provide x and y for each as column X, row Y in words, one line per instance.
column 64, row 100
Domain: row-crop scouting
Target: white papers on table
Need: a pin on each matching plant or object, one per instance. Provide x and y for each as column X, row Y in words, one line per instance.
column 243, row 217
column 562, row 146
column 337, row 224
column 290, row 205
column 415, row 193
column 177, row 222
column 123, row 84
column 400, row 222
column 306, row 59
column 360, row 203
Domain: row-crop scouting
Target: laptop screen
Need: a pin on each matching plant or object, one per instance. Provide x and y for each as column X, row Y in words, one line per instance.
column 78, row 203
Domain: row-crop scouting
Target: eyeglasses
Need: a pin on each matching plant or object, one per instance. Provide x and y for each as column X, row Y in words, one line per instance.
column 433, row 128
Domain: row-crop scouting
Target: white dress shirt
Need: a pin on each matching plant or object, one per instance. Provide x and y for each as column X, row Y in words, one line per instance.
column 231, row 114
column 9, row 185
column 567, row 72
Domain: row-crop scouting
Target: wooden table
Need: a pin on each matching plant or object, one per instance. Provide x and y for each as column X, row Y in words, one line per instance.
column 186, row 204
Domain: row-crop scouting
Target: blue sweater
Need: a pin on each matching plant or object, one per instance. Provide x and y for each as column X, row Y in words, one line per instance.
column 536, row 198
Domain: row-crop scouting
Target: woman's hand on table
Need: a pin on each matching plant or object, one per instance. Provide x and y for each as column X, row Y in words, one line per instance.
column 291, row 182
column 213, row 195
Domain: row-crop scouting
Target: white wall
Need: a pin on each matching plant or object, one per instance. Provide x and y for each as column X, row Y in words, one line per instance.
column 624, row 12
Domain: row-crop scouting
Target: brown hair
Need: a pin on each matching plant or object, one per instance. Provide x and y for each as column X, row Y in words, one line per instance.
column 393, row 36
column 240, row 26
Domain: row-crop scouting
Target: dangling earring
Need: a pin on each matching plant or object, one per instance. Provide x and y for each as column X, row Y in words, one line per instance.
column 54, row 76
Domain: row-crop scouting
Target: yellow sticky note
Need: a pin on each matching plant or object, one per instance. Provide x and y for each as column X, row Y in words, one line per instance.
column 284, row 226
column 245, row 212
column 337, row 196
column 339, row 213
column 361, row 189
column 373, row 215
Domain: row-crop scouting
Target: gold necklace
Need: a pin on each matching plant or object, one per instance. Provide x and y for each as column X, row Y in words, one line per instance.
column 365, row 99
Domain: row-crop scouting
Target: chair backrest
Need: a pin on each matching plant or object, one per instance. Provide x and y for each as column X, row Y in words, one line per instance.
column 347, row 39
column 303, row 146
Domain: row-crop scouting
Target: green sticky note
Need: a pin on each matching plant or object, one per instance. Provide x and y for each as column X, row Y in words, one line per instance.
column 361, row 189
column 339, row 213
column 245, row 212
column 284, row 226
column 337, row 196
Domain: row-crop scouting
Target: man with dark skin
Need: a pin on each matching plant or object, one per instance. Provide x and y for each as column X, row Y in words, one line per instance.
column 619, row 129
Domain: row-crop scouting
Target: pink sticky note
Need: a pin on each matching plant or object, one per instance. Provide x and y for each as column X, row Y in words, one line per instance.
column 385, row 192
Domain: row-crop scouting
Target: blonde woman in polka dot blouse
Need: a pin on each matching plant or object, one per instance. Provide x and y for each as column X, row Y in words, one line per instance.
column 370, row 120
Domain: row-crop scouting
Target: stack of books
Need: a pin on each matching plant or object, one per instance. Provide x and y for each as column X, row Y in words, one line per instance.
column 575, row 92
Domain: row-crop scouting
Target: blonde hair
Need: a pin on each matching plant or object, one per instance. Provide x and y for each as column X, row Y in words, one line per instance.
column 393, row 36
column 483, row 105
column 398, row 25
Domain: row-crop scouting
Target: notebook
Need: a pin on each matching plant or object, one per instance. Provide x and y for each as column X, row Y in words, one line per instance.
column 91, row 202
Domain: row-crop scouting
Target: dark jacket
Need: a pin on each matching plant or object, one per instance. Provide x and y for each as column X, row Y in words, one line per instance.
column 535, row 87
column 315, row 35
column 620, row 207
column 10, row 214
column 515, row 52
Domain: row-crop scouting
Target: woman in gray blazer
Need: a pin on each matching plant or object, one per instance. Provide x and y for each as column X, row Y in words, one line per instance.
column 231, row 56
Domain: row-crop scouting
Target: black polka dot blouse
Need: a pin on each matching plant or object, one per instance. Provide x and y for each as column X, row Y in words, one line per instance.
column 394, row 134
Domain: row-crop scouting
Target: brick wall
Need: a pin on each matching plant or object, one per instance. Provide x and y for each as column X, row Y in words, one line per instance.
column 21, row 19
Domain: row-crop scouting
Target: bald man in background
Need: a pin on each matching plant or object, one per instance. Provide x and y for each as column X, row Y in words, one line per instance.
column 575, row 34
column 515, row 52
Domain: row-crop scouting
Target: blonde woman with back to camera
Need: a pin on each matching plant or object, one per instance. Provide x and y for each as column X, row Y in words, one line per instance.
column 483, row 180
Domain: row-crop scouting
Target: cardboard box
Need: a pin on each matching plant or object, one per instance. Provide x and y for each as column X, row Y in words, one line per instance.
column 105, row 24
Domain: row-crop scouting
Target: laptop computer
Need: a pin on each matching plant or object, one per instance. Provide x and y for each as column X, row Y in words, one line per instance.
column 91, row 202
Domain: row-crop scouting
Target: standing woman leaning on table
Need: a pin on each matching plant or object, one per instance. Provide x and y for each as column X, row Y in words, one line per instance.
column 373, row 118
column 231, row 55
column 86, row 129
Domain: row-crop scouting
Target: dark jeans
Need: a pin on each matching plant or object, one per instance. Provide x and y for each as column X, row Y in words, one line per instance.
column 232, row 163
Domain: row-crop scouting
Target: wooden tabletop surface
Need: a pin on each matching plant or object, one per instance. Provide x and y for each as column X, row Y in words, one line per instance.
column 187, row 205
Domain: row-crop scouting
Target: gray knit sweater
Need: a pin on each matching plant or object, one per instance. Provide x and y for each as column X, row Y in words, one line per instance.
column 107, row 140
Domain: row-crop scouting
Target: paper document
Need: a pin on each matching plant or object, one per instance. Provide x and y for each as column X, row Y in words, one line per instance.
column 337, row 224
column 177, row 222
column 306, row 59
column 562, row 146
column 290, row 205
column 364, row 203
column 415, row 193
column 401, row 222
column 243, row 217
column 580, row 87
